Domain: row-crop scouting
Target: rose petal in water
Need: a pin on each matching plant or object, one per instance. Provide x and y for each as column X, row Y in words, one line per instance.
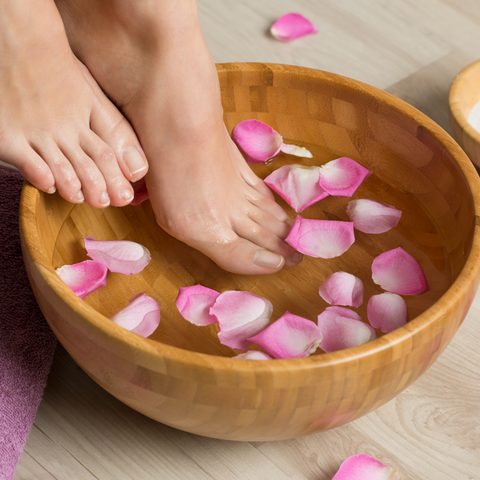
column 370, row 216
column 342, row 177
column 342, row 288
column 194, row 304
column 387, row 311
column 84, row 278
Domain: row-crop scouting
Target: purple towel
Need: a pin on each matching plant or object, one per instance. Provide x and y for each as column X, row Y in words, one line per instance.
column 26, row 342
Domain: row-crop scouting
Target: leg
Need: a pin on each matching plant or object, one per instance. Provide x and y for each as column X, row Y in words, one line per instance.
column 151, row 58
column 56, row 125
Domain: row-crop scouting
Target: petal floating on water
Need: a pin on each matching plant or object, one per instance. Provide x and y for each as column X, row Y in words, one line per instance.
column 84, row 278
column 387, row 311
column 292, row 26
column 296, row 150
column 194, row 304
column 341, row 177
column 396, row 271
column 370, row 216
column 297, row 185
column 364, row 467
column 121, row 256
column 321, row 238
column 342, row 288
column 290, row 336
column 253, row 355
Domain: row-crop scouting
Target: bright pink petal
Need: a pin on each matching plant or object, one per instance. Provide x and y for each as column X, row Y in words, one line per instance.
column 140, row 192
column 342, row 288
column 364, row 467
column 396, row 271
column 370, row 216
column 253, row 355
column 194, row 304
column 339, row 330
column 342, row 177
column 119, row 256
column 240, row 315
column 84, row 278
column 291, row 26
column 295, row 150
column 321, row 238
column 387, row 311
column 297, row 185
column 140, row 316
column 258, row 141
column 290, row 336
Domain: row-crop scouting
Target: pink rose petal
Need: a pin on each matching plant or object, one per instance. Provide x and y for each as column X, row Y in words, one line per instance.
column 292, row 26
column 370, row 216
column 83, row 278
column 364, row 467
column 194, row 304
column 140, row 192
column 296, row 150
column 396, row 271
column 342, row 328
column 253, row 355
column 342, row 288
column 387, row 311
column 342, row 177
column 297, row 185
column 321, row 238
column 120, row 256
column 290, row 336
column 240, row 315
column 140, row 316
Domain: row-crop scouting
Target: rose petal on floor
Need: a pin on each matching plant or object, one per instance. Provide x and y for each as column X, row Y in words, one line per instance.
column 370, row 216
column 121, row 256
column 240, row 315
column 364, row 467
column 297, row 185
column 290, row 336
column 321, row 238
column 194, row 304
column 292, row 26
column 253, row 355
column 140, row 192
column 295, row 150
column 342, row 288
column 83, row 278
column 396, row 271
column 387, row 311
column 257, row 140
column 341, row 177
column 140, row 316
column 342, row 328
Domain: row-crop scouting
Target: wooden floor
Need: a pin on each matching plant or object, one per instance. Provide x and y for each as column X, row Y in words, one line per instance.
column 413, row 49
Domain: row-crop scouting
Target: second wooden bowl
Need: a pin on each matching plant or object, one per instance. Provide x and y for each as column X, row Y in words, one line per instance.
column 182, row 376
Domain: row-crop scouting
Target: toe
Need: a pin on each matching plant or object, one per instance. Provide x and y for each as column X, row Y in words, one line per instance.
column 269, row 221
column 267, row 204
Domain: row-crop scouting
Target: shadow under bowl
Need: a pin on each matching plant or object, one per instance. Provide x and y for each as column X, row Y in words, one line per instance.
column 181, row 375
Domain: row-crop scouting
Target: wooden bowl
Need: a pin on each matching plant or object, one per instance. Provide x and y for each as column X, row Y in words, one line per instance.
column 464, row 94
column 182, row 376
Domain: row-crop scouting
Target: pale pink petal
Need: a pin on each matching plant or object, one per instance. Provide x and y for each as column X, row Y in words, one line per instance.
column 140, row 192
column 120, row 256
column 240, row 315
column 291, row 26
column 297, row 185
column 253, row 355
column 342, row 177
column 321, row 238
column 290, row 336
column 295, row 150
column 83, row 278
column 396, row 271
column 364, row 467
column 387, row 311
column 194, row 304
column 342, row 288
column 339, row 330
column 370, row 216
column 258, row 141
column 140, row 316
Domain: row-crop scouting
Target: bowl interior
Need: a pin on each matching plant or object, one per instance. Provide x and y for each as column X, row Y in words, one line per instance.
column 332, row 117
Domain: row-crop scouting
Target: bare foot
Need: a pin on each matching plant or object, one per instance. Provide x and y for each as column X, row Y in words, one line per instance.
column 56, row 125
column 152, row 60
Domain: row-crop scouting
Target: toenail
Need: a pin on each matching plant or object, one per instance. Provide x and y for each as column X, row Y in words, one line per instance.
column 52, row 190
column 78, row 197
column 264, row 258
column 134, row 160
column 104, row 199
column 127, row 195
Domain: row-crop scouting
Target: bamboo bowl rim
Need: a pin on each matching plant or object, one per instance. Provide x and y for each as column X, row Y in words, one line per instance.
column 153, row 350
column 454, row 103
